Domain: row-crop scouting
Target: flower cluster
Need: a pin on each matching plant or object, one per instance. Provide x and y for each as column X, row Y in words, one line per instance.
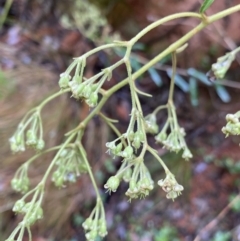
column 140, row 183
column 223, row 64
column 20, row 182
column 151, row 125
column 95, row 224
column 170, row 186
column 69, row 166
column 174, row 141
column 233, row 124
column 29, row 133
column 81, row 87
column 139, row 178
column 134, row 139
column 32, row 211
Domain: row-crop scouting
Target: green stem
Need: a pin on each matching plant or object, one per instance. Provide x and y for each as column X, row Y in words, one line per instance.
column 89, row 171
column 155, row 60
column 158, row 109
column 40, row 154
column 154, row 153
column 164, row 20
column 39, row 108
column 93, row 51
column 7, row 6
column 110, row 124
column 235, row 51
column 172, row 84
column 43, row 181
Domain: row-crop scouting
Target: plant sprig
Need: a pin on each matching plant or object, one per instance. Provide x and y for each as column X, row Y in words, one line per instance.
column 131, row 146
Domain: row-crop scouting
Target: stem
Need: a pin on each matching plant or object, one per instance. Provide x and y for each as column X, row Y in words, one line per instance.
column 172, row 84
column 154, row 153
column 69, row 139
column 164, row 20
column 39, row 108
column 154, row 61
column 7, row 6
column 110, row 124
column 158, row 109
column 93, row 51
column 235, row 51
column 89, row 171
column 40, row 154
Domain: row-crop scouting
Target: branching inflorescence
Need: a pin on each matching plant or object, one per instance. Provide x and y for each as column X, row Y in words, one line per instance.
column 71, row 160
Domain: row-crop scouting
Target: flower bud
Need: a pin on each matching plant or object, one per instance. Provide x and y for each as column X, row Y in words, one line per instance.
column 128, row 152
column 161, row 137
column 18, row 206
column 40, row 145
column 87, row 91
column 64, row 80
column 87, row 224
column 232, row 118
column 171, row 195
column 127, row 175
column 91, row 236
column 112, row 184
column 93, row 99
column 102, row 229
column 187, row 154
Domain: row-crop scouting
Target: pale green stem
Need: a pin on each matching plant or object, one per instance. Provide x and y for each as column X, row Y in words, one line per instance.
column 162, row 21
column 43, row 181
column 93, row 51
column 39, row 107
column 159, row 108
column 235, row 51
column 154, row 153
column 4, row 14
column 172, row 84
column 110, row 124
column 89, row 171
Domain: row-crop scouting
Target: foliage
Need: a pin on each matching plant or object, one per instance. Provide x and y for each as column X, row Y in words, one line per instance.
column 167, row 233
column 71, row 159
column 221, row 236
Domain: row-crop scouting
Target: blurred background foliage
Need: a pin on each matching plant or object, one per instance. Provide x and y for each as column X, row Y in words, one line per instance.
column 38, row 40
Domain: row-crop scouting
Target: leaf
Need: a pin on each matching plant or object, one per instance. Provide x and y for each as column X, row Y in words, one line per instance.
column 155, row 76
column 135, row 64
column 223, row 93
column 193, row 91
column 205, row 5
column 138, row 46
column 179, row 81
column 199, row 75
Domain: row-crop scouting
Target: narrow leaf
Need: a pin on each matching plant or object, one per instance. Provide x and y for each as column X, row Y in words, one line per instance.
column 193, row 91
column 155, row 76
column 205, row 5
column 223, row 93
column 199, row 75
column 135, row 64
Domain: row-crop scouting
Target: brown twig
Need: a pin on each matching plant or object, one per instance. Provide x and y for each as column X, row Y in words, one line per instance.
column 216, row 220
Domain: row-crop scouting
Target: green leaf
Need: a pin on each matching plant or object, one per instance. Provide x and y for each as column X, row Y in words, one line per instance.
column 135, row 64
column 199, row 75
column 193, row 91
column 155, row 76
column 138, row 46
column 236, row 206
column 223, row 93
column 222, row 236
column 205, row 5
